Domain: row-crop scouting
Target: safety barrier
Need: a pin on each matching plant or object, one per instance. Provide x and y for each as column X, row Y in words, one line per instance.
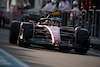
column 97, row 24
column 77, row 18
column 94, row 23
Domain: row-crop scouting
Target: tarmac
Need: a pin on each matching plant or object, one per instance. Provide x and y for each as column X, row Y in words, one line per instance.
column 95, row 42
column 7, row 60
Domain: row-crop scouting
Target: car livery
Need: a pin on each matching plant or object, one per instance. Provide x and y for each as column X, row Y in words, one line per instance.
column 63, row 37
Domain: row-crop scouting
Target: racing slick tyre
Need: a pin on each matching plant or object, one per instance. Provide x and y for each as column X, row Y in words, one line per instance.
column 26, row 32
column 14, row 31
column 81, row 38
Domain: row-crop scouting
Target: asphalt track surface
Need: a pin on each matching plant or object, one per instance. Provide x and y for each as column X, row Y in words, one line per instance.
column 12, row 55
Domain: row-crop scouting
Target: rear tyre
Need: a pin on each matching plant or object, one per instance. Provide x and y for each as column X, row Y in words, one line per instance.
column 81, row 38
column 14, row 31
column 11, row 40
column 13, row 37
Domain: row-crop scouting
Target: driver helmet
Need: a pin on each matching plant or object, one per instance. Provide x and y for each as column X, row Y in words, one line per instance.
column 48, row 21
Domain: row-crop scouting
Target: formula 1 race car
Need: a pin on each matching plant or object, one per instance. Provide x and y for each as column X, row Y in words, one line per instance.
column 48, row 31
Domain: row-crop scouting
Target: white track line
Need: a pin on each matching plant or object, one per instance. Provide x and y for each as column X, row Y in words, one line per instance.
column 94, row 53
column 14, row 59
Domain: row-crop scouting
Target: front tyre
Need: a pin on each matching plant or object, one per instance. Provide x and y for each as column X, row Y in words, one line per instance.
column 14, row 31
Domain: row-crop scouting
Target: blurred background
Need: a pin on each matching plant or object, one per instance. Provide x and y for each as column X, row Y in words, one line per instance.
column 15, row 8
